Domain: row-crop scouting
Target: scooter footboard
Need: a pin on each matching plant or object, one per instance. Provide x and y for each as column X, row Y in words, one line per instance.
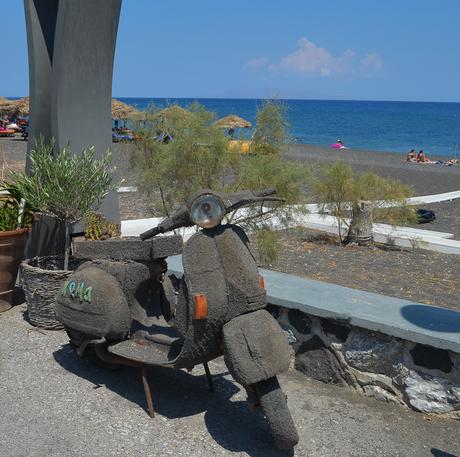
column 255, row 347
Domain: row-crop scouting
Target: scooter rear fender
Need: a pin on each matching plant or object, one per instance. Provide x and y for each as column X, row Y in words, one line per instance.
column 255, row 347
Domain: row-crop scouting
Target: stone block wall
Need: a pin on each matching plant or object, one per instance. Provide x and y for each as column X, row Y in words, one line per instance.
column 421, row 377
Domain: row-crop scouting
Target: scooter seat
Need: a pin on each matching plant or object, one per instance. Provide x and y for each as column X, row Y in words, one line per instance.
column 147, row 352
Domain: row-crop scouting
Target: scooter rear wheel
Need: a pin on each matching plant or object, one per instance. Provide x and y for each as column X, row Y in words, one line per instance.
column 274, row 405
column 76, row 338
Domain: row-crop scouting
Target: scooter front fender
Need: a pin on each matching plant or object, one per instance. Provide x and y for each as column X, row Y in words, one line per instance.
column 255, row 347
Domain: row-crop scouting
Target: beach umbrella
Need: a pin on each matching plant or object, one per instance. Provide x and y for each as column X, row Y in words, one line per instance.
column 20, row 107
column 169, row 120
column 171, row 113
column 14, row 107
column 232, row 121
column 4, row 102
column 124, row 111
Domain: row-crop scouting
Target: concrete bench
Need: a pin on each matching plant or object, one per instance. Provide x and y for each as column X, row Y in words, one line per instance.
column 423, row 324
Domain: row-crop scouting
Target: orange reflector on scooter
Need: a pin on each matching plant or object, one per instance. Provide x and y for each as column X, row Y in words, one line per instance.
column 201, row 306
column 261, row 282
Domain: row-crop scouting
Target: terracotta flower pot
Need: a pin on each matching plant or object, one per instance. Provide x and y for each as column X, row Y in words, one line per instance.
column 12, row 245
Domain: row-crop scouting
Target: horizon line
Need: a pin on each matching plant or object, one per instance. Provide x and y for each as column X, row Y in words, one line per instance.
column 294, row 99
column 268, row 98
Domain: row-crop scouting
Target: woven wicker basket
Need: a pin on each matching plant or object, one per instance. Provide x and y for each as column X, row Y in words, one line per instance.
column 41, row 281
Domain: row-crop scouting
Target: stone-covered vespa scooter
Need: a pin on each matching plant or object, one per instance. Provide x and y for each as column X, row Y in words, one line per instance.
column 121, row 305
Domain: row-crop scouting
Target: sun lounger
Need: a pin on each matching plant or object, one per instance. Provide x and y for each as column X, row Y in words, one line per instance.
column 7, row 132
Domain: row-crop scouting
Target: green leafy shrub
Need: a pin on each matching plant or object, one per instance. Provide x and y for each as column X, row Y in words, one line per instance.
column 65, row 185
column 271, row 133
column 340, row 189
column 269, row 244
column 199, row 157
column 13, row 215
column 97, row 227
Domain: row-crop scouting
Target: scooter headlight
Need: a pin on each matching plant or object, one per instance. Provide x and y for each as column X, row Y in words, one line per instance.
column 207, row 211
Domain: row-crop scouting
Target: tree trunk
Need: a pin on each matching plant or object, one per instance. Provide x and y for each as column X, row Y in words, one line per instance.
column 67, row 246
column 360, row 230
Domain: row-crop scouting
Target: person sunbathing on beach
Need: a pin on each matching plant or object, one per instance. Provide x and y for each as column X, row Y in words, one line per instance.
column 411, row 156
column 338, row 145
column 422, row 158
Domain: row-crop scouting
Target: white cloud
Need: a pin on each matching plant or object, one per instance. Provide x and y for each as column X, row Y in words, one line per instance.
column 255, row 64
column 310, row 59
column 372, row 63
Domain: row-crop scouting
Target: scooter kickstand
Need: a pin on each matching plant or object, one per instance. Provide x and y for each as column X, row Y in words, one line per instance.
column 148, row 395
column 209, row 376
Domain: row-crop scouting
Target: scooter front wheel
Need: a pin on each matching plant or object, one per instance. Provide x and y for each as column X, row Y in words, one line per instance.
column 273, row 402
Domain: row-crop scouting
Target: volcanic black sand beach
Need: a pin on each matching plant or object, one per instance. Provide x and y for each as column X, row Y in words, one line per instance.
column 425, row 179
column 418, row 275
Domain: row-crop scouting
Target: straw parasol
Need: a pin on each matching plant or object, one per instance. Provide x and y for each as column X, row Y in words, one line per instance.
column 120, row 110
column 123, row 111
column 171, row 113
column 14, row 107
column 232, row 121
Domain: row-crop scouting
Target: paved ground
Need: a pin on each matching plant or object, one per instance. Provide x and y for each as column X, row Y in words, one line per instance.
column 54, row 404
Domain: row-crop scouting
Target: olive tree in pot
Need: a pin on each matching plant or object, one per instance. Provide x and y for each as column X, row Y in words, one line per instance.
column 65, row 186
column 15, row 222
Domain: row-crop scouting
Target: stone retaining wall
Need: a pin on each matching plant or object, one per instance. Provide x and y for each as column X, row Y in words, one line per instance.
column 422, row 377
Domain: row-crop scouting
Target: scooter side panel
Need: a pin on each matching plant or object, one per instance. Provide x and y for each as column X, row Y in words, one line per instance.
column 203, row 274
column 255, row 347
column 92, row 302
column 240, row 268
column 135, row 281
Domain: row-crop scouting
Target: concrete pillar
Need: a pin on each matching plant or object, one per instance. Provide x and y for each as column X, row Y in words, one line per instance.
column 71, row 52
column 41, row 18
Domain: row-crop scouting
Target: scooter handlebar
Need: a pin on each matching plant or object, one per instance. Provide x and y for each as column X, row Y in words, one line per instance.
column 150, row 233
column 232, row 201
column 265, row 192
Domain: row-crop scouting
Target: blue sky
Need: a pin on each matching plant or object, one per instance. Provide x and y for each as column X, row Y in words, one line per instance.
column 333, row 49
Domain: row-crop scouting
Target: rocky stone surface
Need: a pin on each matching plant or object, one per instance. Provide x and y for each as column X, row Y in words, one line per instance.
column 374, row 352
column 431, row 394
column 389, row 369
column 431, row 358
column 317, row 362
column 335, row 330
column 300, row 321
column 380, row 394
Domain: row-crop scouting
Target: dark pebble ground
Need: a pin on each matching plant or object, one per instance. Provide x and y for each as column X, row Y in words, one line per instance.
column 417, row 275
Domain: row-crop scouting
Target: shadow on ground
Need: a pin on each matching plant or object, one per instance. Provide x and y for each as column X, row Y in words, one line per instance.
column 439, row 453
column 432, row 318
column 180, row 394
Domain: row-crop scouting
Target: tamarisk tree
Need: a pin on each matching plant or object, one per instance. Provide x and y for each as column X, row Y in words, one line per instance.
column 357, row 199
column 199, row 157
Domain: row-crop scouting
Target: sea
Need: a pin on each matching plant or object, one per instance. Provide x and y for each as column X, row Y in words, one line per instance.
column 372, row 125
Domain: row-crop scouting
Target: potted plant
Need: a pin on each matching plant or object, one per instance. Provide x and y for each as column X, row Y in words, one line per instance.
column 15, row 222
column 65, row 186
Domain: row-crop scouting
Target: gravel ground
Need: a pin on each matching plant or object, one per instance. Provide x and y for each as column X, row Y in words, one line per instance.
column 54, row 404
column 417, row 275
